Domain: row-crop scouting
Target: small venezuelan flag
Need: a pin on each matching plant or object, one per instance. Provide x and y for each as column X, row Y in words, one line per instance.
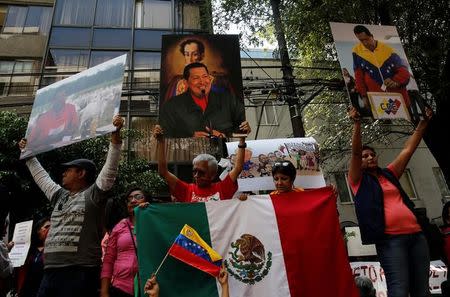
column 190, row 248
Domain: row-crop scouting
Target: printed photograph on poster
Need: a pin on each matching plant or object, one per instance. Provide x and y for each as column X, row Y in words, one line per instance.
column 372, row 59
column 201, row 86
column 261, row 155
column 76, row 108
column 386, row 105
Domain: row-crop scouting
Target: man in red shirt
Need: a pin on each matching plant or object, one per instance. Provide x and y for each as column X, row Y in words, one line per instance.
column 204, row 171
column 57, row 124
column 201, row 111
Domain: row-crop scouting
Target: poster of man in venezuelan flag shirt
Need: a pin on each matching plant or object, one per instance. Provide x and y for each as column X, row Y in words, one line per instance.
column 373, row 62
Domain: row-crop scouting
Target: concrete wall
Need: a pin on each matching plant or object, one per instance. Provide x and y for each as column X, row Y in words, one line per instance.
column 22, row 46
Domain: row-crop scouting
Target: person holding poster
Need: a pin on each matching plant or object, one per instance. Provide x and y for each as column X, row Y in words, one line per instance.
column 386, row 214
column 204, row 171
column 201, row 112
column 72, row 250
column 377, row 67
column 29, row 276
column 284, row 174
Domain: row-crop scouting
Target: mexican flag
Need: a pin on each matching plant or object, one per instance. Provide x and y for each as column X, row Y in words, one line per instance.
column 280, row 245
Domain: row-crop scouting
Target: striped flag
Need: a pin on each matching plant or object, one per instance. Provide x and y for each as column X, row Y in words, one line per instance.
column 190, row 248
column 280, row 245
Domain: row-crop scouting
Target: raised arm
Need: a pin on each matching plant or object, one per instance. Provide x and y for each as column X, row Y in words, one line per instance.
column 354, row 172
column 107, row 175
column 40, row 176
column 163, row 170
column 239, row 165
column 400, row 162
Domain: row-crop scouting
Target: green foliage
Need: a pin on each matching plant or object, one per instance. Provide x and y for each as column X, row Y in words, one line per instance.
column 137, row 173
column 12, row 129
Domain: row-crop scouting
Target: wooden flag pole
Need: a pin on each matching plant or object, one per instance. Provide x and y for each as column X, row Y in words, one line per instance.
column 164, row 259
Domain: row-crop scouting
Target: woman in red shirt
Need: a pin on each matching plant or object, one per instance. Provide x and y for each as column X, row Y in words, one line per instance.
column 401, row 247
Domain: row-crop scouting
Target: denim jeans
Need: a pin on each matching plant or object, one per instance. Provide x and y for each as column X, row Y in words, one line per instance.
column 406, row 264
column 71, row 281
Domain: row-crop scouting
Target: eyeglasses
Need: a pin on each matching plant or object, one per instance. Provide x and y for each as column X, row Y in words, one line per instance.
column 45, row 226
column 281, row 164
column 135, row 197
column 198, row 172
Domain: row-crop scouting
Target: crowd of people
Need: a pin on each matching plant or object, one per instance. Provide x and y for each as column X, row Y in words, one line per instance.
column 70, row 256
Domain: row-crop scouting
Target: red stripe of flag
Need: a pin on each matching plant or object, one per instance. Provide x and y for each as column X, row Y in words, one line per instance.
column 186, row 256
column 313, row 245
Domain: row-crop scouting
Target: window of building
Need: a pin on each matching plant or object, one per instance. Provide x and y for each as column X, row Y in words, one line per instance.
column 70, row 12
column 24, row 19
column 67, row 60
column 98, row 57
column 443, row 187
column 6, row 69
column 153, row 14
column 38, row 20
column 269, row 115
column 24, row 85
column 70, row 37
column 18, row 77
column 146, row 66
column 3, row 12
column 62, row 63
column 112, row 38
column 148, row 39
column 114, row 13
column 15, row 20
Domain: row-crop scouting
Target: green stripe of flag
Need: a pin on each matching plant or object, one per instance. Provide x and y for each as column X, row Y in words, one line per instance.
column 157, row 226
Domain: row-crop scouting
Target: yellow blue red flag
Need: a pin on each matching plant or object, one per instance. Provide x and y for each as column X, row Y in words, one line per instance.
column 190, row 248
